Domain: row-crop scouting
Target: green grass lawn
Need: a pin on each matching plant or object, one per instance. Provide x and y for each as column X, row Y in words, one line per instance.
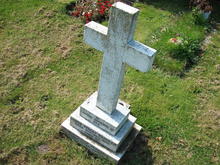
column 46, row 72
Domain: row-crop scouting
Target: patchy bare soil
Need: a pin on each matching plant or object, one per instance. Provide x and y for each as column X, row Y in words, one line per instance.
column 46, row 71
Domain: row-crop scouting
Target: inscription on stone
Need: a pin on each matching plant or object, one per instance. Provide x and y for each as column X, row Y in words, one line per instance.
column 95, row 120
column 94, row 135
column 88, row 115
column 86, row 144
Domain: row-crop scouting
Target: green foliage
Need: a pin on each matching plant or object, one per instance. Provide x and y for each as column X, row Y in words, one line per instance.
column 156, row 32
column 198, row 17
column 188, row 50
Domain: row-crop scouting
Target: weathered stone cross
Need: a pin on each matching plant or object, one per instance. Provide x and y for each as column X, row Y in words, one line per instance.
column 119, row 48
column 103, row 123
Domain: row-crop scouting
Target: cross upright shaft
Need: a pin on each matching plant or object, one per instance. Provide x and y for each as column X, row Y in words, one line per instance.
column 119, row 48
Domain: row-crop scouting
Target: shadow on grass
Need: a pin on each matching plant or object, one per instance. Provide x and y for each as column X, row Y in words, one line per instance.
column 176, row 6
column 173, row 6
column 139, row 153
column 216, row 10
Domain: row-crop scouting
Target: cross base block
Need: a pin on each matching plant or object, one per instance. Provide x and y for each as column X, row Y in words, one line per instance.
column 109, row 123
column 112, row 142
column 96, row 148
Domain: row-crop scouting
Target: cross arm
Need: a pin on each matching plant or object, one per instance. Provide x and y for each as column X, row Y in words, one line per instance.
column 139, row 56
column 95, row 35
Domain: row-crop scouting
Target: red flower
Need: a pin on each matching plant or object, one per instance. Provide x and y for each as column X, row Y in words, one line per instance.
column 103, row 7
column 101, row 12
column 88, row 16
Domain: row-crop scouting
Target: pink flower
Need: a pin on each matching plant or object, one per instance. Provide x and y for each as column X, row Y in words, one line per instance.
column 177, row 40
column 173, row 40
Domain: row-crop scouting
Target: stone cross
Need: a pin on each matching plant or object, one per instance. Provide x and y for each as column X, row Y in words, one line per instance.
column 103, row 123
column 119, row 49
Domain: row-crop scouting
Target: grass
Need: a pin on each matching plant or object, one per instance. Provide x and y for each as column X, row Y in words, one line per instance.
column 46, row 72
column 163, row 25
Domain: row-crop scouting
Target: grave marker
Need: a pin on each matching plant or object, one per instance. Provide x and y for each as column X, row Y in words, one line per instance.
column 103, row 123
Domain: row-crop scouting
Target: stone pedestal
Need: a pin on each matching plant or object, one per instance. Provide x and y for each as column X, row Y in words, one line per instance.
column 106, row 135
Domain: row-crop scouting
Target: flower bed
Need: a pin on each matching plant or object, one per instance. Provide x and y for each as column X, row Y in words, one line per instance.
column 89, row 10
column 185, row 49
column 93, row 10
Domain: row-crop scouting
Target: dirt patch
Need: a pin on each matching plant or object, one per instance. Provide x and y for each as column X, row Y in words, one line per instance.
column 64, row 49
column 42, row 149
column 210, row 120
column 46, row 13
column 17, row 157
column 16, row 109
